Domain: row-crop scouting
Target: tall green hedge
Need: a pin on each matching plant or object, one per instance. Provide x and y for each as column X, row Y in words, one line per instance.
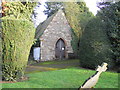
column 94, row 45
column 17, row 39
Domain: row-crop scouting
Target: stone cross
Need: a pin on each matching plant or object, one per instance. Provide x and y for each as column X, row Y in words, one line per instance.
column 91, row 81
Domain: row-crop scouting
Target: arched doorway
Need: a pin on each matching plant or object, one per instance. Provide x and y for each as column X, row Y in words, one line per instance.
column 60, row 49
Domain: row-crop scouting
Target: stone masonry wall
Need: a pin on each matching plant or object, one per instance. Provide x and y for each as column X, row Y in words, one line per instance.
column 58, row 28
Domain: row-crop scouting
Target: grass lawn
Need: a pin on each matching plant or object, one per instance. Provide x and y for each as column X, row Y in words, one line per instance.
column 55, row 62
column 65, row 78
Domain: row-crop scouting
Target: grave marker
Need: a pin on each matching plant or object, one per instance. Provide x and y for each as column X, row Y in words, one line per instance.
column 91, row 81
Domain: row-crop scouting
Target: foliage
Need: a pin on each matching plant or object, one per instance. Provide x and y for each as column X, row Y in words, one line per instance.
column 77, row 15
column 72, row 13
column 0, row 46
column 95, row 45
column 74, row 44
column 21, row 10
column 17, row 38
column 65, row 78
column 85, row 15
column 110, row 14
column 52, row 7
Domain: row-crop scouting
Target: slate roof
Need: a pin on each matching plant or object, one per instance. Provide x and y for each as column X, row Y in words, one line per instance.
column 42, row 26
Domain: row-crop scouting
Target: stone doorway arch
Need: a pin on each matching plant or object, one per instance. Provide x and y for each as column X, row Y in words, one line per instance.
column 60, row 49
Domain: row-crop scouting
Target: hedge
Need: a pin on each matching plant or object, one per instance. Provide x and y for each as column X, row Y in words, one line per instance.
column 95, row 46
column 17, row 39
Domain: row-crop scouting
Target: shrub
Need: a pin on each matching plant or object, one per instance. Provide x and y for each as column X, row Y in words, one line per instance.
column 17, row 39
column 94, row 45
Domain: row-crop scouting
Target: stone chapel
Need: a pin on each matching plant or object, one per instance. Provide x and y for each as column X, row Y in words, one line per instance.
column 55, row 37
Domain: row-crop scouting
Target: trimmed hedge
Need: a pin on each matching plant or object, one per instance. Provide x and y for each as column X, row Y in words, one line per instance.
column 95, row 46
column 17, row 39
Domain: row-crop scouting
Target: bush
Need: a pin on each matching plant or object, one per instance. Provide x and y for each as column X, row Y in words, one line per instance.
column 94, row 45
column 17, row 39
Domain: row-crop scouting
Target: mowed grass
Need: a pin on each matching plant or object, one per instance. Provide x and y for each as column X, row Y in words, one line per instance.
column 65, row 78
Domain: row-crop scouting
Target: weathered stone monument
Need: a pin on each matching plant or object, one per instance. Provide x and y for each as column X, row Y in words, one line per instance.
column 91, row 81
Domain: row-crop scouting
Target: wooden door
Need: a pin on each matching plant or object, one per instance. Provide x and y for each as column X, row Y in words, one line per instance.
column 60, row 49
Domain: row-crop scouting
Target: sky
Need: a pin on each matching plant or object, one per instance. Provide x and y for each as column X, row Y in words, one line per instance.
column 40, row 16
column 91, row 4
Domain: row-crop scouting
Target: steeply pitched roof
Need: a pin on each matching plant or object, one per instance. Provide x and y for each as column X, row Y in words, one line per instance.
column 41, row 27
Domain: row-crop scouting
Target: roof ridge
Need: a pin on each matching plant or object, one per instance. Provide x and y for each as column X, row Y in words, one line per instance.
column 42, row 26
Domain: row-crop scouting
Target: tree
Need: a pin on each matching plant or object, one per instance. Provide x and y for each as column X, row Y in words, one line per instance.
column 52, row 7
column 110, row 14
column 78, row 16
column 95, row 46
column 85, row 15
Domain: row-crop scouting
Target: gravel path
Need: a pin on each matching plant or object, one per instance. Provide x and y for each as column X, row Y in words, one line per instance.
column 48, row 67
